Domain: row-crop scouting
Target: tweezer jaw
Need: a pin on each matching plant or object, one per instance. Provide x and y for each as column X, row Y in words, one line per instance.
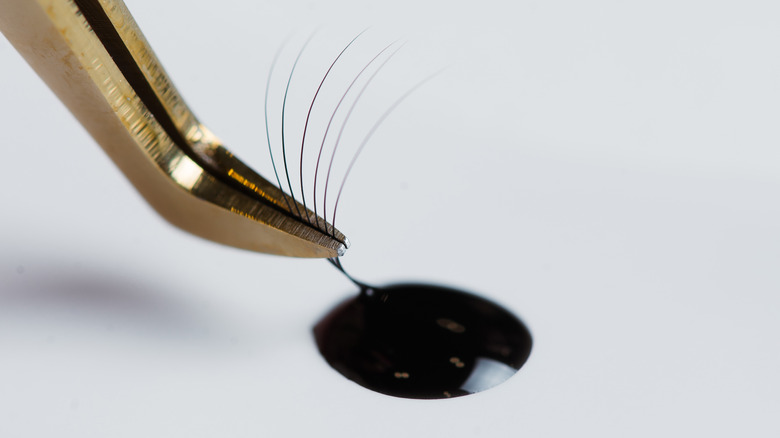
column 93, row 56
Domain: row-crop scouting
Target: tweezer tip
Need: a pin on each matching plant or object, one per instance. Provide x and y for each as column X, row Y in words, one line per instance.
column 342, row 248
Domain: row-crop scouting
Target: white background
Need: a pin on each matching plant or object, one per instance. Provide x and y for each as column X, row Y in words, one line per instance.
column 607, row 170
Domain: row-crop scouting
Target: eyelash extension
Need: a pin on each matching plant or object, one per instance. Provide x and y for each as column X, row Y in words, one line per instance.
column 404, row 326
column 344, row 125
column 292, row 207
column 284, row 106
column 308, row 116
column 330, row 122
column 324, row 227
column 267, row 129
column 368, row 136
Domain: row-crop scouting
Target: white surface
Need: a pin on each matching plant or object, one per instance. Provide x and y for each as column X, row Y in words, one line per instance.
column 606, row 170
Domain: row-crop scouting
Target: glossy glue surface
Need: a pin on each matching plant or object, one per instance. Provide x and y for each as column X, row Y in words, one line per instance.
column 423, row 341
column 626, row 180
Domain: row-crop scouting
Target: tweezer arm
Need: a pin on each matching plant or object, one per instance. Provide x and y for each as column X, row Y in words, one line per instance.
column 95, row 59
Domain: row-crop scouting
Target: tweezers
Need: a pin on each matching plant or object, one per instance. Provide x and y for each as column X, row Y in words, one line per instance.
column 96, row 60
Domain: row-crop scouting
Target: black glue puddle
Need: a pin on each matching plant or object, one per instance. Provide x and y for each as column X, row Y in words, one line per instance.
column 423, row 341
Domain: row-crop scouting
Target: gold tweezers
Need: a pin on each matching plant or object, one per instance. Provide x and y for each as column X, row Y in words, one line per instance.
column 95, row 59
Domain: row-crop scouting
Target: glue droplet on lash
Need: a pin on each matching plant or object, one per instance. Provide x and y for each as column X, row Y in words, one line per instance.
column 422, row 341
